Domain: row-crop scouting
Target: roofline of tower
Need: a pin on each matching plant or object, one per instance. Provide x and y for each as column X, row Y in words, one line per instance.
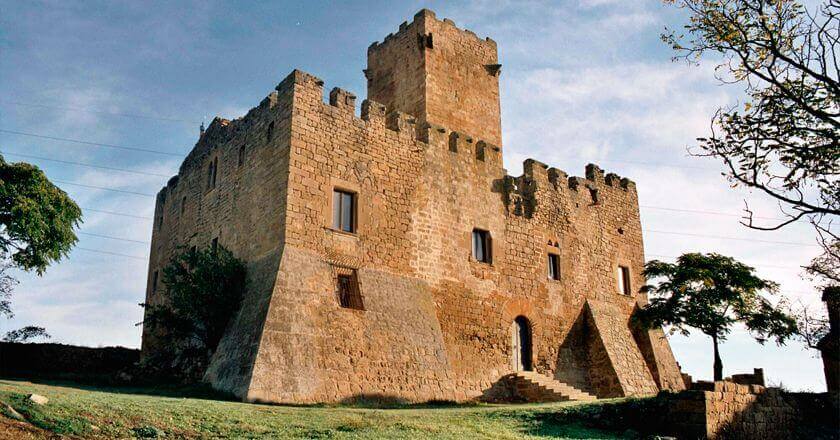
column 420, row 17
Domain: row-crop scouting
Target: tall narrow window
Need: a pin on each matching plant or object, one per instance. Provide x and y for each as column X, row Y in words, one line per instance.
column 270, row 132
column 624, row 280
column 347, row 289
column 211, row 173
column 481, row 246
column 154, row 282
column 241, row 155
column 183, row 205
column 215, row 170
column 214, row 245
column 344, row 211
column 553, row 267
column 160, row 222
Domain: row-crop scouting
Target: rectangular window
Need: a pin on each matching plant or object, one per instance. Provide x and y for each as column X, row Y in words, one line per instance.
column 553, row 267
column 344, row 211
column 154, row 282
column 347, row 289
column 624, row 280
column 183, row 205
column 214, row 245
column 481, row 246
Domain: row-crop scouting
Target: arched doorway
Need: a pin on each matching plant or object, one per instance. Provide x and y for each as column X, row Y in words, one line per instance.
column 520, row 334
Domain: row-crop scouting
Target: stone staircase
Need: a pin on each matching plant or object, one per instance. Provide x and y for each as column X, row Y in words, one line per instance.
column 535, row 387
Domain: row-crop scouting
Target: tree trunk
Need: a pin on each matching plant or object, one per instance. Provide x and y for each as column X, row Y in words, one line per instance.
column 718, row 363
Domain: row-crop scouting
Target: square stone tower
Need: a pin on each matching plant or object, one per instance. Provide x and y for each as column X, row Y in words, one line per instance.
column 440, row 74
column 390, row 256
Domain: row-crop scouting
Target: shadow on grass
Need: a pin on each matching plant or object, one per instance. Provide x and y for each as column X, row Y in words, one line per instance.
column 205, row 392
column 196, row 391
column 602, row 420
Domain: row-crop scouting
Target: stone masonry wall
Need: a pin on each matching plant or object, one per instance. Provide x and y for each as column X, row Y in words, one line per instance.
column 244, row 212
column 311, row 349
column 439, row 73
column 414, row 237
column 733, row 411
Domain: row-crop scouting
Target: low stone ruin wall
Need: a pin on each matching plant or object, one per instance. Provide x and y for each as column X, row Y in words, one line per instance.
column 59, row 361
column 726, row 410
column 730, row 410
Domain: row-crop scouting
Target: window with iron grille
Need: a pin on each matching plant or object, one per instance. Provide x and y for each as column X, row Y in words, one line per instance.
column 347, row 289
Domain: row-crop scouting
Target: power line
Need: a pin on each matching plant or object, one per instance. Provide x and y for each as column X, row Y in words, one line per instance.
column 689, row 234
column 64, row 182
column 122, row 214
column 119, row 147
column 146, row 150
column 84, row 164
column 112, row 238
column 697, row 211
column 661, row 208
column 110, row 253
column 77, row 109
column 757, row 265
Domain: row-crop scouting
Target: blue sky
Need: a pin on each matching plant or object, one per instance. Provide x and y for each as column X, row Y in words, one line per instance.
column 583, row 81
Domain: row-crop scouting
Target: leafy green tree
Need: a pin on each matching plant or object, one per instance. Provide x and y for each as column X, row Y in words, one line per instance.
column 37, row 222
column 711, row 293
column 37, row 218
column 203, row 291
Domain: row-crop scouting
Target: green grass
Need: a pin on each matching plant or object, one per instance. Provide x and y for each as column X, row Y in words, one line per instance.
column 89, row 411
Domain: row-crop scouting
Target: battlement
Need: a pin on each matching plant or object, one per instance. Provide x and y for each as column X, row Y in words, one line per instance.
column 440, row 74
column 428, row 135
column 538, row 171
column 420, row 18
column 377, row 114
column 523, row 194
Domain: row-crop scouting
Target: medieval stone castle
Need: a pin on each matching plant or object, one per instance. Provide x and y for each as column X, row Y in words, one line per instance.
column 390, row 255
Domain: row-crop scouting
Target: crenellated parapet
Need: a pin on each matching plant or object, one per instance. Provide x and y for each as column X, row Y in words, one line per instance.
column 375, row 114
column 523, row 195
column 412, row 71
column 423, row 40
column 540, row 184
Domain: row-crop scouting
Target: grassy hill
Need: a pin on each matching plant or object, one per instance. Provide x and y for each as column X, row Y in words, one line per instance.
column 93, row 412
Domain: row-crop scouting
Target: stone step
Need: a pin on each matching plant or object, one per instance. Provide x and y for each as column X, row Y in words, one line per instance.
column 537, row 387
column 557, row 386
